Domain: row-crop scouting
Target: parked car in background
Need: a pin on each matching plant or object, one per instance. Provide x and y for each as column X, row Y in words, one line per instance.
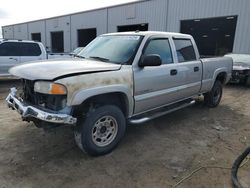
column 122, row 77
column 241, row 68
column 14, row 52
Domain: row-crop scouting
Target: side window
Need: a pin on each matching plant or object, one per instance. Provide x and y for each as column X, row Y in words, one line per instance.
column 185, row 50
column 160, row 47
column 9, row 49
column 29, row 49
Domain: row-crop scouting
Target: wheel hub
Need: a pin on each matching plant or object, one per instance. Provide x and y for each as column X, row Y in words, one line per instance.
column 104, row 131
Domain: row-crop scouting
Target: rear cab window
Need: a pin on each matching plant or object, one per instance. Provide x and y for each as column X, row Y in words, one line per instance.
column 184, row 50
column 19, row 49
column 161, row 47
column 29, row 49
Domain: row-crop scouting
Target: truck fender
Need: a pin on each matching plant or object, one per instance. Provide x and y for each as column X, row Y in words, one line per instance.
column 208, row 84
column 218, row 71
column 82, row 95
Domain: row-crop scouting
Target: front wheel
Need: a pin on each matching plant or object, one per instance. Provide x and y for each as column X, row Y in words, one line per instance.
column 101, row 130
column 212, row 98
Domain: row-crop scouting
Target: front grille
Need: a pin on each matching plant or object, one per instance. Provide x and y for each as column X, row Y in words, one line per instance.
column 28, row 91
column 52, row 102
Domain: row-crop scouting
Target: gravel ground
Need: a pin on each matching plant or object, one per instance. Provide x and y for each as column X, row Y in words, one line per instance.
column 159, row 153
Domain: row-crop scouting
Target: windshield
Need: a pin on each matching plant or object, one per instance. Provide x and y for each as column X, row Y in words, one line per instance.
column 118, row 49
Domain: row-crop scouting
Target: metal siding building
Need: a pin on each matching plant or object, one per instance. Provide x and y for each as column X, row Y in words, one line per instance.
column 20, row 31
column 198, row 9
column 152, row 12
column 37, row 27
column 92, row 19
column 60, row 24
column 159, row 15
column 8, row 32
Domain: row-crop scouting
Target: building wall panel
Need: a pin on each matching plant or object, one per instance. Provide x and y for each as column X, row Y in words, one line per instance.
column 8, row 32
column 93, row 19
column 59, row 24
column 37, row 27
column 21, row 31
column 152, row 12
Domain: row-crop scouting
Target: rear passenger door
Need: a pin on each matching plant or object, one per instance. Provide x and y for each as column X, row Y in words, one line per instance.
column 189, row 66
column 9, row 56
column 30, row 52
column 156, row 86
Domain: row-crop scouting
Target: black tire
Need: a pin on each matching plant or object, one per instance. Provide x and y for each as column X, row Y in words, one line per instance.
column 212, row 99
column 92, row 125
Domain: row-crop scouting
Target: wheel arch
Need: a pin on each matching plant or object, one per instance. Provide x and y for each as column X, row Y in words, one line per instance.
column 222, row 77
column 119, row 96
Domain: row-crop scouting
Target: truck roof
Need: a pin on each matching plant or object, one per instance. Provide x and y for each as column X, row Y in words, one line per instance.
column 151, row 33
column 17, row 40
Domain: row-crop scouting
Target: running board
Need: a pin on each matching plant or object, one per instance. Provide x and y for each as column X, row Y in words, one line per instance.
column 160, row 112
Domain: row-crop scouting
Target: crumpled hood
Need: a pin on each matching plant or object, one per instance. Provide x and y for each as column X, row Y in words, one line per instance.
column 50, row 70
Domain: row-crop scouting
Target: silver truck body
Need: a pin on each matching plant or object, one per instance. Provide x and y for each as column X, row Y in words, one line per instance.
column 143, row 89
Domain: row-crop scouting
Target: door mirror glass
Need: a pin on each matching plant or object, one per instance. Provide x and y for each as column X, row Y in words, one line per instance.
column 150, row 60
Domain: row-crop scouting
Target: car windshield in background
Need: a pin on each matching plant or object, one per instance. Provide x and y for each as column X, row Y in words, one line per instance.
column 115, row 49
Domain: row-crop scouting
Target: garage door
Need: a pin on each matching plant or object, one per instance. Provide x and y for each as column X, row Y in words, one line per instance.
column 85, row 36
column 136, row 27
column 214, row 36
column 57, row 42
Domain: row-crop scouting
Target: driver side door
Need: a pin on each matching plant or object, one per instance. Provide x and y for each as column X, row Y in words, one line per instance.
column 156, row 86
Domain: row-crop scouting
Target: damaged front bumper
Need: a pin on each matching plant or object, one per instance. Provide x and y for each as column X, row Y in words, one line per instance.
column 28, row 111
column 239, row 76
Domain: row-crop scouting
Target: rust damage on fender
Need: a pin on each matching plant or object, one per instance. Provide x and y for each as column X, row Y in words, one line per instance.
column 87, row 81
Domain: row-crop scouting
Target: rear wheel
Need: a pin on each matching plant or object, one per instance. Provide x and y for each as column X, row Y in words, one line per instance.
column 101, row 130
column 212, row 99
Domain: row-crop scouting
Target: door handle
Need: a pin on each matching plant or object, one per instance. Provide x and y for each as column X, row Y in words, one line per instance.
column 13, row 58
column 173, row 72
column 196, row 69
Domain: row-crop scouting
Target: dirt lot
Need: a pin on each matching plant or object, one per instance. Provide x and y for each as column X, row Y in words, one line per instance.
column 156, row 154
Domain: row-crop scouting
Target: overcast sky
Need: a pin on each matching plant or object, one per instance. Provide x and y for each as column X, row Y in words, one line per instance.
column 17, row 11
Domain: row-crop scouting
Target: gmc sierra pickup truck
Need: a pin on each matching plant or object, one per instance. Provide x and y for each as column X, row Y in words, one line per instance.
column 118, row 79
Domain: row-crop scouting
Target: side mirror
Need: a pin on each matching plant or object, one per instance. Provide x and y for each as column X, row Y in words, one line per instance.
column 150, row 60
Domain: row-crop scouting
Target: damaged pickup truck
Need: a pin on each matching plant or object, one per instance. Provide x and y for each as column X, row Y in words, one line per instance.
column 118, row 79
column 241, row 68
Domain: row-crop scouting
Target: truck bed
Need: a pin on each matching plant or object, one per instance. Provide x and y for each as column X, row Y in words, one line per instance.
column 210, row 68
